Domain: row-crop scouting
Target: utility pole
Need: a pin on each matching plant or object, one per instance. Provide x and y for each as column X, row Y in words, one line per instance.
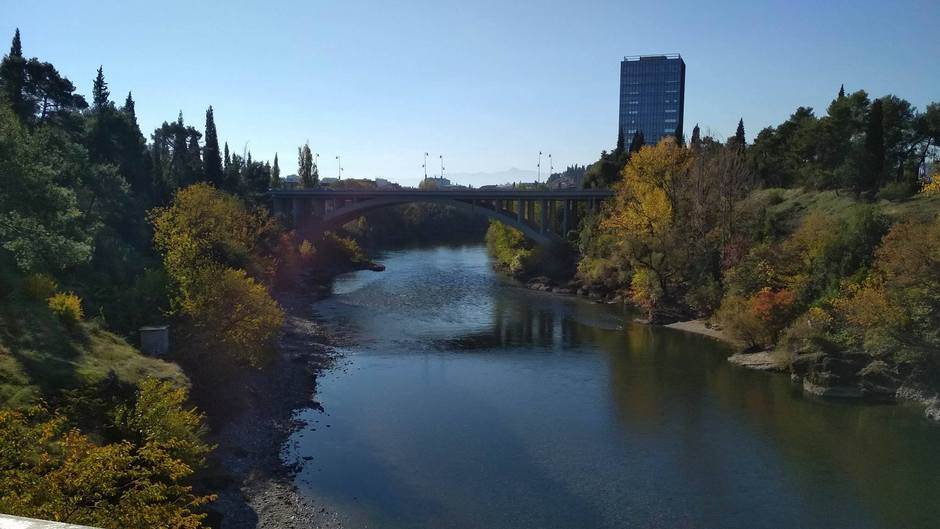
column 551, row 167
column 425, row 166
column 339, row 168
column 442, row 167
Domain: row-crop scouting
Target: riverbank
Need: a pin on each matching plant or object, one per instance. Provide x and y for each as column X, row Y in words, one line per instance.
column 254, row 486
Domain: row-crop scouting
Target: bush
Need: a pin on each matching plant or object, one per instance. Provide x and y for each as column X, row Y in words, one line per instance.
column 736, row 317
column 39, row 287
column 895, row 191
column 68, row 307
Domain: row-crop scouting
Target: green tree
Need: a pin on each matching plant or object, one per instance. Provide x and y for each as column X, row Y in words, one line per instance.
column 275, row 174
column 211, row 155
column 305, row 167
column 101, row 96
column 873, row 171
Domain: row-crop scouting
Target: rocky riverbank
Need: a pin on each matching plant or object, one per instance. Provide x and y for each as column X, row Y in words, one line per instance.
column 842, row 375
column 254, row 486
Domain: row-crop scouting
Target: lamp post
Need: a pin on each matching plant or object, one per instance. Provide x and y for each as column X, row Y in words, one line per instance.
column 339, row 168
column 551, row 167
column 425, row 166
column 442, row 167
column 539, row 178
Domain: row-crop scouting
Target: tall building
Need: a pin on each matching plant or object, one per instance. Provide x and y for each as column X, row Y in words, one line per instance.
column 652, row 96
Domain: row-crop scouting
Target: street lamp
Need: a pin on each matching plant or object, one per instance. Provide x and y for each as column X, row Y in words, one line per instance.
column 442, row 167
column 551, row 167
column 339, row 168
column 425, row 166
column 539, row 178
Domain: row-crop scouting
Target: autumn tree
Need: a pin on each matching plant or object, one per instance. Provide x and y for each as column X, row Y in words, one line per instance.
column 210, row 247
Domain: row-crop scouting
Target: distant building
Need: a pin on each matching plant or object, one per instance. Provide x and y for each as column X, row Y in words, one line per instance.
column 652, row 96
column 381, row 183
column 328, row 180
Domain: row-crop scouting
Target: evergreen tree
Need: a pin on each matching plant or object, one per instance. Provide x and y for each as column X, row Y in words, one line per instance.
column 620, row 143
column 212, row 159
column 696, row 137
column 227, row 159
column 841, row 91
column 275, row 174
column 873, row 171
column 680, row 138
column 739, row 139
column 13, row 79
column 638, row 141
column 129, row 107
column 16, row 48
column 100, row 91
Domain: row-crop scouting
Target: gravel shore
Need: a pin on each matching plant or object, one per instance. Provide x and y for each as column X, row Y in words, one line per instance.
column 254, row 486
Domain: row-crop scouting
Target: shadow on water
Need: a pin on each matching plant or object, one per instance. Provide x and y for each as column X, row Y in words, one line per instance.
column 469, row 402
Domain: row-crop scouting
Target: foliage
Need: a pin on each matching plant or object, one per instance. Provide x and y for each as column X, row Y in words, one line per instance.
column 41, row 223
column 509, row 249
column 39, row 287
column 53, row 472
column 897, row 307
column 210, row 246
column 67, row 307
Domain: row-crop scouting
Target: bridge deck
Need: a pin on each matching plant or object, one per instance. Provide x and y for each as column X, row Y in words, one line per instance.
column 454, row 194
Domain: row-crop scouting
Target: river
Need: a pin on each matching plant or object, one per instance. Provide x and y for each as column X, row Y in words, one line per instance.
column 468, row 401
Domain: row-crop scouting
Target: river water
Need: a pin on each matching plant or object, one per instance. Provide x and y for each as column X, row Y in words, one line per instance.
column 470, row 402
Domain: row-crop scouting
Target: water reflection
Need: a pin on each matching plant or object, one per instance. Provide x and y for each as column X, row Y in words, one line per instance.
column 471, row 402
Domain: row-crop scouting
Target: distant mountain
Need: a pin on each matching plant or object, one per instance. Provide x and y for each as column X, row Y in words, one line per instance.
column 498, row 177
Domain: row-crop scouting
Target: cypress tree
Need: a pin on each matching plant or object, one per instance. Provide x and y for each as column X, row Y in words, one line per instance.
column 638, row 141
column 212, row 159
column 100, row 91
column 874, row 149
column 305, row 166
column 680, row 138
column 841, row 91
column 620, row 143
column 226, row 160
column 129, row 107
column 739, row 139
column 275, row 174
column 696, row 137
column 13, row 79
column 16, row 48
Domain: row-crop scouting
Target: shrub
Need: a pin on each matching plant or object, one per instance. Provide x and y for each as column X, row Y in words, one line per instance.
column 68, row 307
column 307, row 251
column 895, row 191
column 736, row 317
column 39, row 287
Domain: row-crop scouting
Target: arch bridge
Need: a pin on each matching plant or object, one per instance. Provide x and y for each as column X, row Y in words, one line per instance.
column 542, row 216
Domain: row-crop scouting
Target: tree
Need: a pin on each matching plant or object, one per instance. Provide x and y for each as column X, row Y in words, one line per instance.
column 211, row 156
column 305, row 167
column 841, row 91
column 275, row 174
column 13, row 78
column 637, row 142
column 50, row 470
column 100, row 93
column 621, row 147
column 739, row 140
column 129, row 107
column 873, row 171
column 210, row 247
column 42, row 225
column 696, row 141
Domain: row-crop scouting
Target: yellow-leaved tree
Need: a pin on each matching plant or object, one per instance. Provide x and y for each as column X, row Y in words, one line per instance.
column 210, row 245
column 642, row 217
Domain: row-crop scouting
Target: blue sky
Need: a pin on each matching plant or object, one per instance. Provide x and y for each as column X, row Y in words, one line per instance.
column 488, row 84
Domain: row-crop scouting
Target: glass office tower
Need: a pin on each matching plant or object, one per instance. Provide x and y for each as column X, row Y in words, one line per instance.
column 652, row 96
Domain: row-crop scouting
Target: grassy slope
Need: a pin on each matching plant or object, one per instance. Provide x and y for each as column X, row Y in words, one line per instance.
column 39, row 356
column 792, row 204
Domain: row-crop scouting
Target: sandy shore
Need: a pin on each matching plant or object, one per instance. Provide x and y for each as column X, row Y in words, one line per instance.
column 701, row 327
